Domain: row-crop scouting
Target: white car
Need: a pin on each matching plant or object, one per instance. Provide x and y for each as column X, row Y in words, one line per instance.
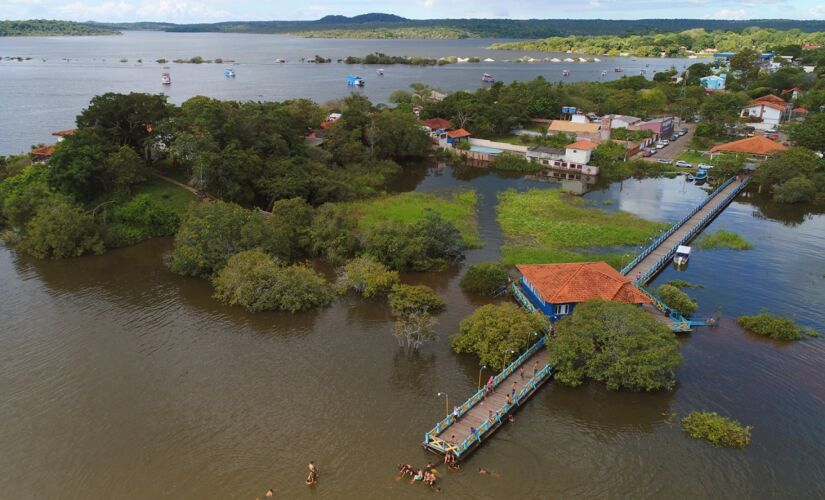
column 664, row 160
column 684, row 164
column 704, row 166
column 659, row 145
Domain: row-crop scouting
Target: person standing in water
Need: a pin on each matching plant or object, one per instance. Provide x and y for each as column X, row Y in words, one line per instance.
column 312, row 478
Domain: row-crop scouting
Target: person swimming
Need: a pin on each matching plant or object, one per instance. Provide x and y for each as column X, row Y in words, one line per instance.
column 312, row 478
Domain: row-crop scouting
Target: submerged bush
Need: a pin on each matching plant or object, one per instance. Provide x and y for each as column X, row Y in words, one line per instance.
column 718, row 430
column 257, row 282
column 515, row 163
column 407, row 300
column 724, row 239
column 485, row 278
column 676, row 299
column 775, row 327
column 366, row 276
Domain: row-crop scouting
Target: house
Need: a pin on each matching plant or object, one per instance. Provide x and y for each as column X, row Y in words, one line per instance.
column 590, row 131
column 810, row 46
column 609, row 122
column 456, row 136
column 662, row 127
column 42, row 153
column 765, row 114
column 580, row 151
column 60, row 134
column 794, row 93
column 713, row 82
column 436, row 124
column 772, row 99
column 555, row 289
column 573, row 158
column 757, row 145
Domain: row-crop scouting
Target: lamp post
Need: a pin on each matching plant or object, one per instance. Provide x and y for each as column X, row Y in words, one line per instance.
column 531, row 334
column 483, row 367
column 446, row 402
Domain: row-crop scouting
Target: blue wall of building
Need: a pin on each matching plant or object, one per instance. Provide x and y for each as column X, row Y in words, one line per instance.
column 547, row 309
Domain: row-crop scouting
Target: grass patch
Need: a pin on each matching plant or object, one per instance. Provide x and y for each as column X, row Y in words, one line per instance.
column 408, row 208
column 716, row 429
column 775, row 327
column 682, row 284
column 165, row 193
column 694, row 157
column 545, row 226
column 723, row 239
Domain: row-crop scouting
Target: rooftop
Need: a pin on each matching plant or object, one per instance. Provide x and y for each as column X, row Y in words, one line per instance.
column 43, row 151
column 580, row 281
column 566, row 126
column 546, row 149
column 453, row 134
column 767, row 104
column 64, row 133
column 771, row 98
column 584, row 145
column 438, row 124
column 757, row 145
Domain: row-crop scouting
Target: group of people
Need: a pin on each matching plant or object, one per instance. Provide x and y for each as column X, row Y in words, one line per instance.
column 311, row 479
column 428, row 475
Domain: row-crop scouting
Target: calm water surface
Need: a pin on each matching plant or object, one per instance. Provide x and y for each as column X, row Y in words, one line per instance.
column 119, row 379
column 45, row 94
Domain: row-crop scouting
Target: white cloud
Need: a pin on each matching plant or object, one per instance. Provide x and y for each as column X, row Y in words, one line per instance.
column 179, row 9
column 98, row 11
column 697, row 2
column 818, row 11
column 728, row 14
column 427, row 4
column 595, row 3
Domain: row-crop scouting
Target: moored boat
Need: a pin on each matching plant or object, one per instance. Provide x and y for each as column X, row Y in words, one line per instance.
column 355, row 81
column 565, row 72
column 280, row 61
column 229, row 73
column 165, row 78
column 487, row 78
column 617, row 70
column 682, row 255
column 380, row 71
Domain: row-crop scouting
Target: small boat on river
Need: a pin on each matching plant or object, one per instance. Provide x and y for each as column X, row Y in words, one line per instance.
column 380, row 72
column 229, row 73
column 487, row 78
column 280, row 61
column 617, row 70
column 355, row 81
column 682, row 255
column 565, row 72
column 165, row 78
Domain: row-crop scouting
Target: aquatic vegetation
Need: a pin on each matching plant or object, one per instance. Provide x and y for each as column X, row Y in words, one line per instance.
column 682, row 284
column 716, row 429
column 366, row 276
column 515, row 163
column 676, row 299
column 544, row 226
column 723, row 239
column 775, row 327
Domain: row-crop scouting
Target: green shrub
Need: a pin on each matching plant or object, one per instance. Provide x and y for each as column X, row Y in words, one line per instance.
column 775, row 327
column 366, row 276
column 616, row 343
column 60, row 230
column 796, row 190
column 254, row 280
column 515, row 163
column 676, row 299
column 495, row 333
column 484, row 278
column 408, row 300
column 682, row 284
column 724, row 239
column 716, row 429
column 141, row 218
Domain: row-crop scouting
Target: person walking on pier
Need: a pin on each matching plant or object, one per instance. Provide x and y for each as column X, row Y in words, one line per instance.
column 456, row 413
column 490, row 385
column 513, row 392
column 535, row 368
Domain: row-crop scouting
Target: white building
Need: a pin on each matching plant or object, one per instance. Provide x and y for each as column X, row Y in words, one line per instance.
column 769, row 114
column 574, row 157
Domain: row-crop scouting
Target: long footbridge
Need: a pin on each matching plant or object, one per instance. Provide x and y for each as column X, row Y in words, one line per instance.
column 485, row 412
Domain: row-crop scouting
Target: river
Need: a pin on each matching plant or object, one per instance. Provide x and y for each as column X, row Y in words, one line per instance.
column 119, row 379
column 44, row 94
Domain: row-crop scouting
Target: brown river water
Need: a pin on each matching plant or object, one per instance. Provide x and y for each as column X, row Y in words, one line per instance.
column 119, row 379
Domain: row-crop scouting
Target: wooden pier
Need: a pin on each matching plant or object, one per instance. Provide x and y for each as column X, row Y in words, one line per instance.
column 482, row 414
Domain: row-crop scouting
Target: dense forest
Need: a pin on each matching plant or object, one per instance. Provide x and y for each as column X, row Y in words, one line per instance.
column 390, row 26
column 672, row 44
column 43, row 27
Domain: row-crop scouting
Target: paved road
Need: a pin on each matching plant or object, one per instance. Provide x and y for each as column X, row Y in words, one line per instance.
column 675, row 148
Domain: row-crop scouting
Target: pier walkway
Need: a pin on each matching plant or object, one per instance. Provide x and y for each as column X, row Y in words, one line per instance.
column 658, row 254
column 474, row 424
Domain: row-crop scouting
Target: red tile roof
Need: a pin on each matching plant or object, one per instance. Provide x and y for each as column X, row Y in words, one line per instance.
column 438, row 123
column 767, row 104
column 771, row 98
column 581, row 281
column 757, row 145
column 800, row 110
column 454, row 134
column 583, row 145
column 791, row 91
column 64, row 133
column 43, row 151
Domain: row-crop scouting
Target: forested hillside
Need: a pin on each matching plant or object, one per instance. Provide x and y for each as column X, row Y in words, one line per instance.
column 43, row 27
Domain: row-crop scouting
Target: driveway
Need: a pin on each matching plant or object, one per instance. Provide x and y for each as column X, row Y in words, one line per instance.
column 675, row 148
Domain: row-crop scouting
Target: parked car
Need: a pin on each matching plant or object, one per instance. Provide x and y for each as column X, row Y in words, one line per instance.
column 665, row 142
column 704, row 166
column 646, row 153
column 683, row 131
column 684, row 164
column 660, row 145
column 664, row 161
column 652, row 151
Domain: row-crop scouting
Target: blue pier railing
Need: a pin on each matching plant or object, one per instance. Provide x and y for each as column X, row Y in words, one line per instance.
column 675, row 227
column 431, row 439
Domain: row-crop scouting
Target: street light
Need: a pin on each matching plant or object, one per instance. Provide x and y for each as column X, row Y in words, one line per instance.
column 483, row 367
column 446, row 402
column 531, row 334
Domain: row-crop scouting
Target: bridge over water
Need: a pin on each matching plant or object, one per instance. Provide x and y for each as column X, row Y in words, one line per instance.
column 482, row 414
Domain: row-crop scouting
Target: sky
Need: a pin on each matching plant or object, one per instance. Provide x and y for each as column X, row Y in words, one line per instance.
column 187, row 11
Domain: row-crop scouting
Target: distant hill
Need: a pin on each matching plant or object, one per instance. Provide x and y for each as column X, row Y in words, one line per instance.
column 44, row 27
column 361, row 26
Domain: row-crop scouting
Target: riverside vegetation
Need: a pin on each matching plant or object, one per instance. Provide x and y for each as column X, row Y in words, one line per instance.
column 775, row 327
column 723, row 239
column 716, row 429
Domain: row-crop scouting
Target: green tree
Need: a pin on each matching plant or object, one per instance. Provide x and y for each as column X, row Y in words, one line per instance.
column 59, row 230
column 775, row 327
column 121, row 170
column 495, row 333
column 406, row 300
column 744, row 64
column 810, row 133
column 255, row 281
column 676, row 299
column 398, row 135
column 485, row 278
column 618, row 344
column 22, row 195
column 366, row 276
column 795, row 190
column 790, row 164
column 334, row 233
column 718, row 430
column 78, row 165
column 140, row 218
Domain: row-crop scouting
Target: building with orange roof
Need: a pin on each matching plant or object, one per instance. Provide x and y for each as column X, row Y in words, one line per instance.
column 767, row 112
column 438, row 124
column 555, row 289
column 60, row 134
column 771, row 98
column 42, row 153
column 590, row 131
column 456, row 136
column 757, row 145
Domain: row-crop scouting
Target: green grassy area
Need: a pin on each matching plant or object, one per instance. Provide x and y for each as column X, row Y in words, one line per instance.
column 408, row 208
column 544, row 226
column 693, row 156
column 167, row 194
column 723, row 239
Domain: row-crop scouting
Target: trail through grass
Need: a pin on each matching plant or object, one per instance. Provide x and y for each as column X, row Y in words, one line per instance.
column 545, row 226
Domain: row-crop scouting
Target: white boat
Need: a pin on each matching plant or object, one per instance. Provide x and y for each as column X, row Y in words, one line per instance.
column 604, row 74
column 487, row 78
column 682, row 255
column 489, row 60
column 380, row 72
column 565, row 72
column 582, row 59
column 280, row 61
column 569, row 59
column 555, row 59
column 463, row 59
column 596, row 59
column 229, row 73
column 165, row 78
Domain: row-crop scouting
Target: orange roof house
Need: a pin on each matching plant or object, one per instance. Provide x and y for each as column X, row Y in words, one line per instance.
column 63, row 133
column 555, row 289
column 584, row 145
column 42, row 153
column 756, row 145
column 438, row 124
column 771, row 98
